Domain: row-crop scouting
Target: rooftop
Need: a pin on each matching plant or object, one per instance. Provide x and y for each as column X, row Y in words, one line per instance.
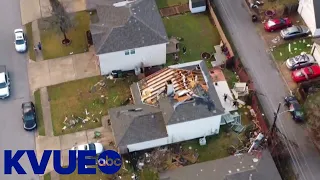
column 182, row 92
column 241, row 167
column 126, row 25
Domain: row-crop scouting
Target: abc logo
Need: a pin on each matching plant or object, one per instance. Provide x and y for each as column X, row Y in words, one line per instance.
column 109, row 162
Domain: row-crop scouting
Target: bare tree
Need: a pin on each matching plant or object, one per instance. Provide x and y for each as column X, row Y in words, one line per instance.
column 61, row 19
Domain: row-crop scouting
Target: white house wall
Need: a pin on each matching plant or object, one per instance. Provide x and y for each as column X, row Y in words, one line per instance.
column 149, row 55
column 316, row 52
column 193, row 129
column 306, row 11
column 148, row 144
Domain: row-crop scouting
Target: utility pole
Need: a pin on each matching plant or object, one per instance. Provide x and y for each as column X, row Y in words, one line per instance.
column 275, row 119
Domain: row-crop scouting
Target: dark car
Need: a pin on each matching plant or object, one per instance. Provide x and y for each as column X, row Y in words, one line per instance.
column 295, row 108
column 29, row 116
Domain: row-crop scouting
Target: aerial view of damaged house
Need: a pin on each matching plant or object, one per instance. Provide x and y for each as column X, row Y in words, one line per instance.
column 175, row 104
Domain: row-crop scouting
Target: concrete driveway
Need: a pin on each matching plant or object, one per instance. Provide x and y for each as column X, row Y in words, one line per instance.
column 55, row 71
column 270, row 85
column 36, row 9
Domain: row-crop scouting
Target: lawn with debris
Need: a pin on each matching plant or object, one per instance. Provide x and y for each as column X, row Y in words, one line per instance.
column 79, row 105
column 291, row 49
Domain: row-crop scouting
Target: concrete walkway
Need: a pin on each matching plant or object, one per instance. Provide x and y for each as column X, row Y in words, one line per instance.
column 60, row 70
column 46, row 112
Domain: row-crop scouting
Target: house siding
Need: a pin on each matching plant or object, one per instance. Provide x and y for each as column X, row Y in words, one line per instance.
column 149, row 55
column 193, row 129
column 147, row 144
column 316, row 52
column 306, row 10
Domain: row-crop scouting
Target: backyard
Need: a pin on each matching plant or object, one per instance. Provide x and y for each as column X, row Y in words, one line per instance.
column 291, row 49
column 51, row 37
column 87, row 100
column 168, row 3
column 197, row 33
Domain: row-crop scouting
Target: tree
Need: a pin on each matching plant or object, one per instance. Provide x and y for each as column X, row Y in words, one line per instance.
column 61, row 19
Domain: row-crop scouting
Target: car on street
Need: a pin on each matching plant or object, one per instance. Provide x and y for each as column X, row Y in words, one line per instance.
column 300, row 61
column 4, row 82
column 98, row 147
column 29, row 116
column 306, row 73
column 294, row 108
column 277, row 24
column 20, row 41
column 294, row 32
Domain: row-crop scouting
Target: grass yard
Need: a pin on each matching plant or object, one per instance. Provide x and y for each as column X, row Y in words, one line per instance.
column 216, row 147
column 198, row 34
column 282, row 52
column 47, row 176
column 230, row 76
column 32, row 54
column 75, row 97
column 51, row 38
column 37, row 104
column 168, row 3
column 148, row 174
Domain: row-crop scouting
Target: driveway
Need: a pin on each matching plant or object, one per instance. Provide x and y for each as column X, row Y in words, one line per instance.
column 12, row 135
column 268, row 81
column 55, row 71
column 32, row 10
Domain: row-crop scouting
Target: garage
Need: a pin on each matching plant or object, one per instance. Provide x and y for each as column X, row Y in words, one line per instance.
column 315, row 51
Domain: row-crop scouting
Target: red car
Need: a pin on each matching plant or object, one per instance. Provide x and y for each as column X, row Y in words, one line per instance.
column 277, row 24
column 306, row 73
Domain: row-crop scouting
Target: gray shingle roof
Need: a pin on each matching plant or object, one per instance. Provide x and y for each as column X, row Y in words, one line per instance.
column 132, row 26
column 134, row 127
column 229, row 168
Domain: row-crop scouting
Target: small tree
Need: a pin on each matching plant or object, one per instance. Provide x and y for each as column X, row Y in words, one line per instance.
column 61, row 19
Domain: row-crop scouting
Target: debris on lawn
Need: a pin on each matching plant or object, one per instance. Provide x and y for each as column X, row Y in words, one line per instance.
column 289, row 47
column 275, row 40
column 72, row 121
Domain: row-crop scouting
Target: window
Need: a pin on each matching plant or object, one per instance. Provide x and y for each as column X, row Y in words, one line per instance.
column 132, row 51
column 126, row 52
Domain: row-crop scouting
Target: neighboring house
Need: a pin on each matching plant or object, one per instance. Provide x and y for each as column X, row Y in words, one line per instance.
column 315, row 51
column 197, row 6
column 240, row 167
column 175, row 104
column 310, row 12
column 127, row 34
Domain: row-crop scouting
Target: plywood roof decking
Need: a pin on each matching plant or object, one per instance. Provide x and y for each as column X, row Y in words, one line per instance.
column 181, row 79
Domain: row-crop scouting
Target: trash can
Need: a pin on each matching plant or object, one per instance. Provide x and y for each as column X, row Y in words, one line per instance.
column 117, row 74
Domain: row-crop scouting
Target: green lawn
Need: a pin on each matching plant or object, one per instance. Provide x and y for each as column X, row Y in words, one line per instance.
column 51, row 38
column 168, row 3
column 47, row 176
column 198, row 34
column 32, row 54
column 148, row 174
column 40, row 123
column 230, row 76
column 72, row 98
column 216, row 147
column 282, row 53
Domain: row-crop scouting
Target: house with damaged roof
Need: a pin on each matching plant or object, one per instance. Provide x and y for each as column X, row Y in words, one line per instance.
column 127, row 34
column 175, row 104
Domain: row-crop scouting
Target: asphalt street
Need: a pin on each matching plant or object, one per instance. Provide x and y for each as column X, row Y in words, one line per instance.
column 12, row 135
column 267, row 80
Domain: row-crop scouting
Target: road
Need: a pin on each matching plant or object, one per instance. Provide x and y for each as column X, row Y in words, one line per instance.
column 255, row 57
column 12, row 134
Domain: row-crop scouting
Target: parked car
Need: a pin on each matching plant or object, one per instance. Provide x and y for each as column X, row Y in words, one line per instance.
column 4, row 82
column 98, row 147
column 29, row 116
column 300, row 61
column 294, row 32
column 20, row 41
column 294, row 108
column 306, row 73
column 277, row 24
